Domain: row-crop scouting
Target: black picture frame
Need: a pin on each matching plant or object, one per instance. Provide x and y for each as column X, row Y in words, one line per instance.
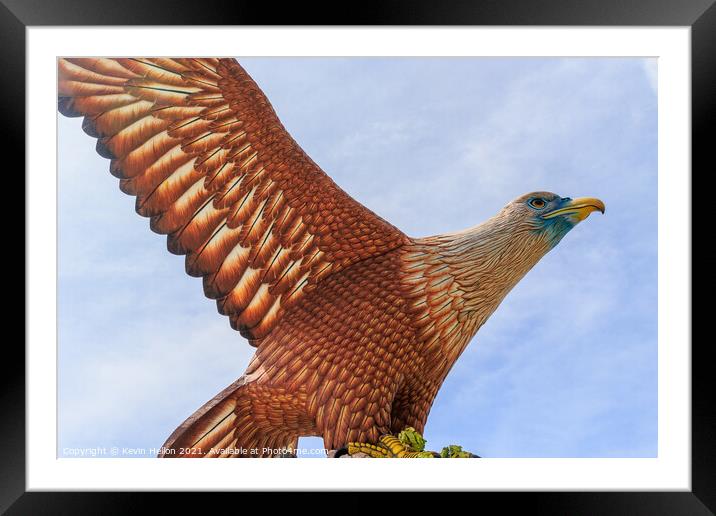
column 700, row 15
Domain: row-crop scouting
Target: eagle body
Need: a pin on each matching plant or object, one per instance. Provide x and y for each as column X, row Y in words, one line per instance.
column 355, row 324
column 367, row 350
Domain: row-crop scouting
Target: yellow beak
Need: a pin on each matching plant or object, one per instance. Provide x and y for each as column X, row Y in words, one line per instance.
column 578, row 208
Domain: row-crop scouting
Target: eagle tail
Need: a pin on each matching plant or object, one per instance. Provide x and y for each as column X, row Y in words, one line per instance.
column 245, row 420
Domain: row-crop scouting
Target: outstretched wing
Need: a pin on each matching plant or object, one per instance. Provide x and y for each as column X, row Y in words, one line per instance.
column 201, row 148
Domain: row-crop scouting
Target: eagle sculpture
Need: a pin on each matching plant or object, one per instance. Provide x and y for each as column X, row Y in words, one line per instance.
column 355, row 324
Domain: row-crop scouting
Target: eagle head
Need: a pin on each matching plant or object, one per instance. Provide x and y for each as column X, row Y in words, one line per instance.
column 548, row 216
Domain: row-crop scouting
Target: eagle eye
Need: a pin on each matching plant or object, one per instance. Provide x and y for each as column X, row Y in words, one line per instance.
column 537, row 203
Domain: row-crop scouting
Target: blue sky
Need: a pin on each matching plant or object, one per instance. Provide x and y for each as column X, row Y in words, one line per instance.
column 567, row 365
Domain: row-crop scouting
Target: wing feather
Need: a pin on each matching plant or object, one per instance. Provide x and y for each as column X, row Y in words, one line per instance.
column 199, row 145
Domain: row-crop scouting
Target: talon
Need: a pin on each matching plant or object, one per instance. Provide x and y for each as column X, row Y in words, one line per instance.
column 408, row 444
column 371, row 450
